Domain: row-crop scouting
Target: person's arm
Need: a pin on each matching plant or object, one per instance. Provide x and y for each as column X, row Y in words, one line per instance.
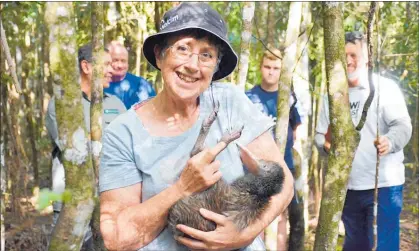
column 322, row 139
column 51, row 122
column 398, row 125
column 226, row 235
column 127, row 223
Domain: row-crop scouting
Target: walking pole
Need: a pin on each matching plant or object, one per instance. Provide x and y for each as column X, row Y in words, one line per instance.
column 371, row 16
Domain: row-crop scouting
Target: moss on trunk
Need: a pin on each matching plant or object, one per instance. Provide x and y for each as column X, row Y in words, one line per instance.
column 288, row 65
column 248, row 13
column 345, row 138
column 77, row 211
column 96, row 110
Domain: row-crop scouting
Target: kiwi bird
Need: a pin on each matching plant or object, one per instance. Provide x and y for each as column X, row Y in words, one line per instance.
column 242, row 201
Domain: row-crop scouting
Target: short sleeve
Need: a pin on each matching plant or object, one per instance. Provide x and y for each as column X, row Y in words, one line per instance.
column 51, row 122
column 117, row 165
column 242, row 112
column 120, row 105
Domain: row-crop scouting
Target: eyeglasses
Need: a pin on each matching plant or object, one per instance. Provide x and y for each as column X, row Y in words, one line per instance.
column 353, row 35
column 184, row 53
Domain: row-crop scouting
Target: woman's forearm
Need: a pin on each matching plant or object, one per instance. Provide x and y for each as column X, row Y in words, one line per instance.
column 135, row 226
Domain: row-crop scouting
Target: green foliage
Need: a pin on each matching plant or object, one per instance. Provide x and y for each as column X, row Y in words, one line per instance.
column 46, row 196
column 83, row 22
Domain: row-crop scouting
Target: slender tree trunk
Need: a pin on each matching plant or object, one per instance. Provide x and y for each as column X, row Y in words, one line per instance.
column 248, row 13
column 296, row 210
column 415, row 136
column 261, row 20
column 10, row 62
column 2, row 205
column 288, row 65
column 3, row 174
column 17, row 154
column 345, row 138
column 415, row 144
column 270, row 39
column 77, row 210
column 45, row 56
column 113, row 28
column 157, row 15
column 139, row 43
column 284, row 88
column 96, row 110
column 30, row 120
column 299, row 213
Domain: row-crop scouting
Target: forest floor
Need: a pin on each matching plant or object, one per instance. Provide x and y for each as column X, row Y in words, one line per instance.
column 409, row 221
column 30, row 232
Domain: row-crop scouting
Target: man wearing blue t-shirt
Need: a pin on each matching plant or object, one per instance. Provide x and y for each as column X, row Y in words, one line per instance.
column 265, row 96
column 126, row 86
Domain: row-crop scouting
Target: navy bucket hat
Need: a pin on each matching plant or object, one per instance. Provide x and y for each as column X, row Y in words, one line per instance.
column 194, row 16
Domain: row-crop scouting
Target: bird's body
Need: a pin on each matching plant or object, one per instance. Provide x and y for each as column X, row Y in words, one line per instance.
column 242, row 201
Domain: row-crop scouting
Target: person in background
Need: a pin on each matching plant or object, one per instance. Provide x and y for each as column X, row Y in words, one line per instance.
column 112, row 107
column 265, row 97
column 146, row 165
column 126, row 86
column 395, row 131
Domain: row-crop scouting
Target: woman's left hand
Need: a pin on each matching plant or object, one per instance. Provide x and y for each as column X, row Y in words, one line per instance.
column 225, row 237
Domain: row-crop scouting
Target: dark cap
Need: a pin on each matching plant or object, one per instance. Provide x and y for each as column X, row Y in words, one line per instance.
column 352, row 36
column 85, row 53
column 194, row 16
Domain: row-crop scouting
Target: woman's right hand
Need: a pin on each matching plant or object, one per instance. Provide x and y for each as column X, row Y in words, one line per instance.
column 201, row 170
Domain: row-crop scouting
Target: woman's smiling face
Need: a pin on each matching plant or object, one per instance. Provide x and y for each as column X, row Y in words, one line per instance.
column 187, row 66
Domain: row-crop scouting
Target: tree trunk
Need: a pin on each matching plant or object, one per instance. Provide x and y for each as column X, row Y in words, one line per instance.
column 261, row 20
column 138, row 45
column 248, row 13
column 2, row 205
column 96, row 110
column 77, row 210
column 288, row 65
column 16, row 150
column 112, row 26
column 345, row 138
column 157, row 15
column 30, row 120
column 45, row 56
column 284, row 87
column 10, row 62
column 3, row 174
column 299, row 217
column 296, row 210
column 415, row 144
column 270, row 36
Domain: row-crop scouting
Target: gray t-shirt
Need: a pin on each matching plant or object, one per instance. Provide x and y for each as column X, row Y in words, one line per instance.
column 131, row 155
column 112, row 107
